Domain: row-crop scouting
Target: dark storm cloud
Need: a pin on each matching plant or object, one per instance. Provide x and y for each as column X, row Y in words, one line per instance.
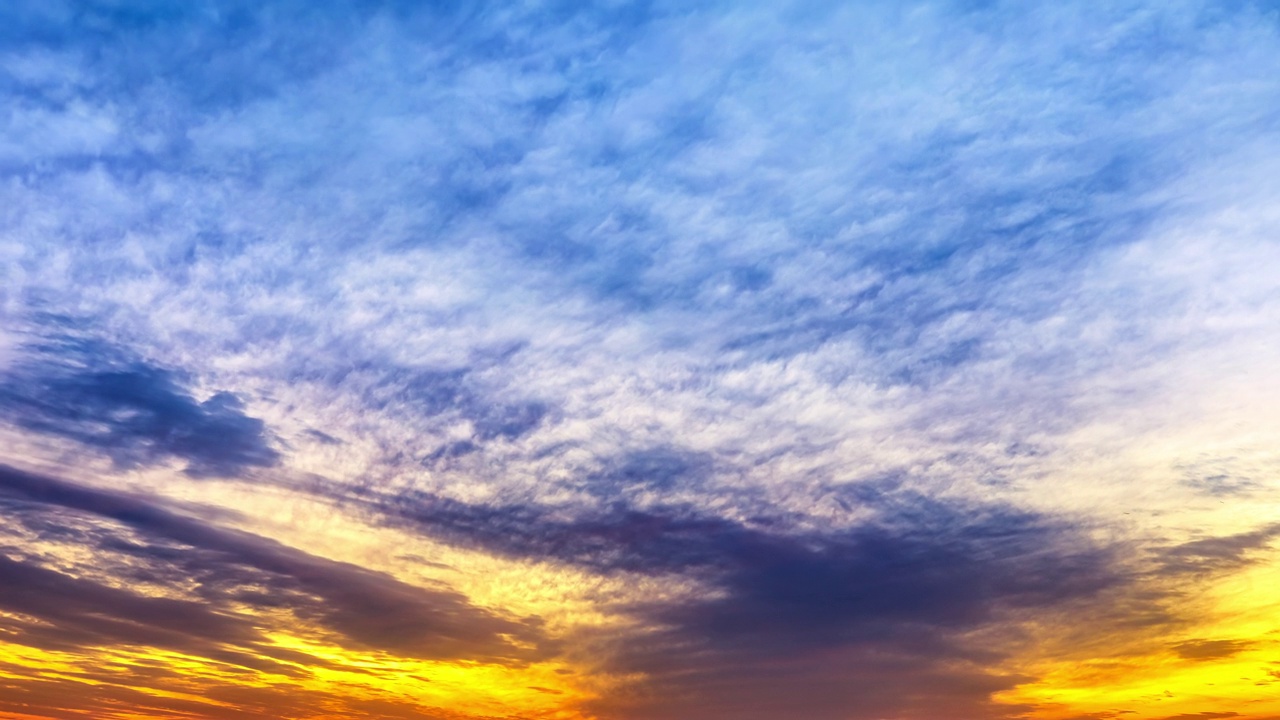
column 135, row 412
column 228, row 569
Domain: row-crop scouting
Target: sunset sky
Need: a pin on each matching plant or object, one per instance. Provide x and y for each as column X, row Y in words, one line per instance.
column 639, row 360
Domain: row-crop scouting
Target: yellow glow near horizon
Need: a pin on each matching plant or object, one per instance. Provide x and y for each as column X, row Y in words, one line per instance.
column 1243, row 609
column 547, row 690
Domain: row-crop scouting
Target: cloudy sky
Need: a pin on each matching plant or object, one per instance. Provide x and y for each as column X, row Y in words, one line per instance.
column 640, row 360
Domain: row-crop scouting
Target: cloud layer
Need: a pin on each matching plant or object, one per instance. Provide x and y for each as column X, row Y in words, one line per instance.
column 640, row 360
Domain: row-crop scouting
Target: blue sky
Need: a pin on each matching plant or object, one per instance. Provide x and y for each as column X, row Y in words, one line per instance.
column 720, row 316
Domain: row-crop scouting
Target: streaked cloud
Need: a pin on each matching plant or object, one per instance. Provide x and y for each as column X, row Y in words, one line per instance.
column 137, row 413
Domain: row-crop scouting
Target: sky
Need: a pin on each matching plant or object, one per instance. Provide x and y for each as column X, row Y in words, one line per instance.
column 640, row 360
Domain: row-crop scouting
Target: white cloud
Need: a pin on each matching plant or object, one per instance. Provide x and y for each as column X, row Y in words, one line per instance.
column 824, row 244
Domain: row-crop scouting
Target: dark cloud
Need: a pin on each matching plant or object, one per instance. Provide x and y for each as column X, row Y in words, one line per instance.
column 229, row 569
column 851, row 682
column 134, row 411
column 799, row 593
column 79, row 613
column 1201, row 649
column 681, row 538
column 443, row 455
column 509, row 421
column 443, row 394
column 657, row 469
column 868, row 620
column 1215, row 554
column 1222, row 484
column 321, row 437
column 457, row 393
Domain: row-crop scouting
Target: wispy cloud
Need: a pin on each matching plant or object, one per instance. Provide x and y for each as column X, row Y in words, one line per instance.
column 228, row 568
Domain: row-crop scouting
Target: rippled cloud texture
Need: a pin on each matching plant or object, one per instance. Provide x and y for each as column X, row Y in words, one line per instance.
column 640, row 360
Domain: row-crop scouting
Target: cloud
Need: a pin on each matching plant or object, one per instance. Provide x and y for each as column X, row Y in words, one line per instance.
column 365, row 609
column 133, row 411
column 1216, row 554
column 914, row 238
column 86, row 614
column 1202, row 649
column 453, row 394
column 871, row 619
column 656, row 289
column 659, row 471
